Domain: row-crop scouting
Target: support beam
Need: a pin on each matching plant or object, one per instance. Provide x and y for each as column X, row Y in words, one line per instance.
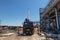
column 57, row 18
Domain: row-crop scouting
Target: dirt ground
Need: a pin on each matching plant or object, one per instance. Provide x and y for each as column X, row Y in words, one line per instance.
column 15, row 37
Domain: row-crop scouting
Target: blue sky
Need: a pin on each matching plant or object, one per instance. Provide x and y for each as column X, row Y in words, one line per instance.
column 13, row 12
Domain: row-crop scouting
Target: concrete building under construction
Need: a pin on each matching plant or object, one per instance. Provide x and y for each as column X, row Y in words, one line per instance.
column 50, row 16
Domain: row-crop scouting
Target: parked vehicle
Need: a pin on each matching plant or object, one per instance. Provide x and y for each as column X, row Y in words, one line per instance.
column 28, row 28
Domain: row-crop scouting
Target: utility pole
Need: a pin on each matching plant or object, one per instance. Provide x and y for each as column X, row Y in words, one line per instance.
column 0, row 22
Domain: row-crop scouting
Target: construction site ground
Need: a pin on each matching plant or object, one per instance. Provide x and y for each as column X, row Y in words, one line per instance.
column 14, row 36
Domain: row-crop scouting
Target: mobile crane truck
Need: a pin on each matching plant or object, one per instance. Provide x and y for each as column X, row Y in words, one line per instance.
column 28, row 28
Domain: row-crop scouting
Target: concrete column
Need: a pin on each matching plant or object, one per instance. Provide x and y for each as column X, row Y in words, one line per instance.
column 57, row 18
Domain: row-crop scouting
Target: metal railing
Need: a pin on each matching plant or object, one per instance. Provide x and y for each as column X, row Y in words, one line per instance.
column 49, row 5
